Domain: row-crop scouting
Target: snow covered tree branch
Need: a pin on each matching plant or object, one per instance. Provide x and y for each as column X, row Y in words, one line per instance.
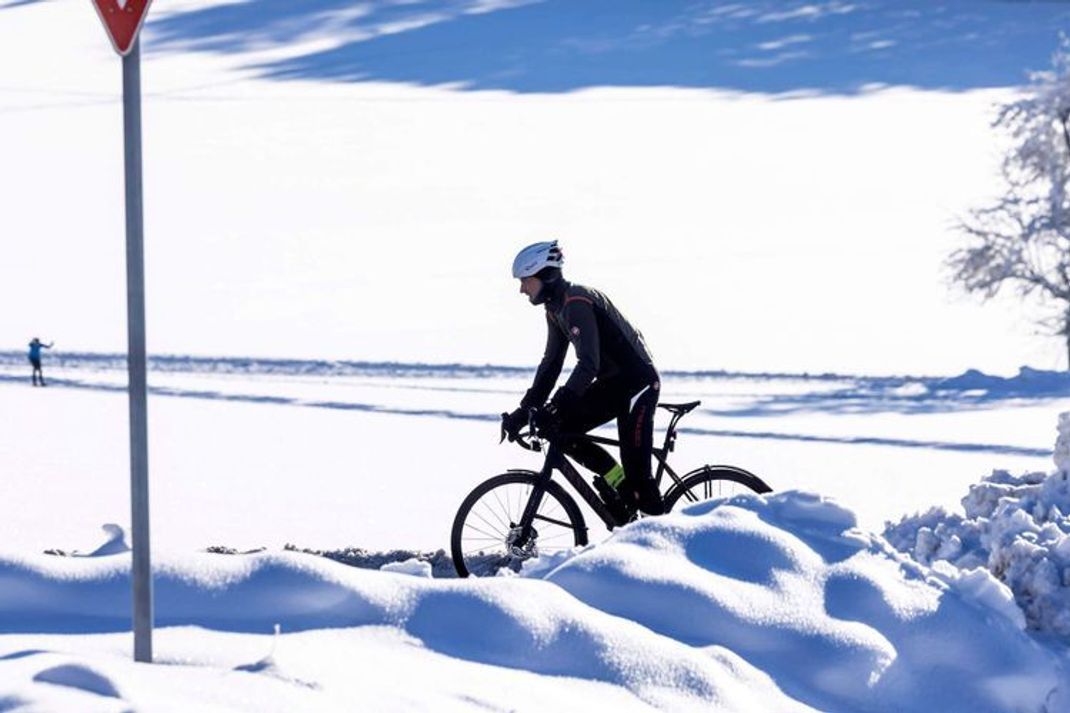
column 1021, row 242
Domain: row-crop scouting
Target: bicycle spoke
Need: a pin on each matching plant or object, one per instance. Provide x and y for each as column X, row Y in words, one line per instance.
column 559, row 523
column 504, row 527
column 501, row 527
column 505, row 508
column 476, row 550
column 555, row 507
column 484, row 532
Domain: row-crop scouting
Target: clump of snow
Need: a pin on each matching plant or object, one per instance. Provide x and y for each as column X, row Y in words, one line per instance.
column 910, row 389
column 1015, row 529
column 114, row 544
column 414, row 566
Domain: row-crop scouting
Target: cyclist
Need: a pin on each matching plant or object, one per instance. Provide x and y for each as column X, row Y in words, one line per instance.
column 35, row 359
column 614, row 378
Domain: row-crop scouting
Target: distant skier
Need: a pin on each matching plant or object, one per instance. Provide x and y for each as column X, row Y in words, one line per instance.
column 35, row 359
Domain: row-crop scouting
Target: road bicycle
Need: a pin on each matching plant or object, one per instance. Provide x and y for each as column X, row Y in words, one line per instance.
column 522, row 514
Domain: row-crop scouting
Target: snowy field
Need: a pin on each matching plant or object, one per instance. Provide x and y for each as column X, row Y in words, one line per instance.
column 767, row 189
column 382, row 459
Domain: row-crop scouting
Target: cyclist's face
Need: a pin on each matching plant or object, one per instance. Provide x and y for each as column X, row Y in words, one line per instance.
column 530, row 286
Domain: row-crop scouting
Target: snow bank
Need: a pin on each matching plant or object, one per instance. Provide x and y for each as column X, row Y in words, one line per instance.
column 1015, row 527
column 513, row 623
column 834, row 615
column 773, row 602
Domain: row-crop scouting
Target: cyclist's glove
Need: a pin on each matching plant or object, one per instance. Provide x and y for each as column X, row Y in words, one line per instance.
column 513, row 422
column 547, row 420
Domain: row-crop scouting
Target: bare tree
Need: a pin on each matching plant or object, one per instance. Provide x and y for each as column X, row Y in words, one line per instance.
column 1021, row 242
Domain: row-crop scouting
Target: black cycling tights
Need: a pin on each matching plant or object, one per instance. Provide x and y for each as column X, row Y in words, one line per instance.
column 633, row 407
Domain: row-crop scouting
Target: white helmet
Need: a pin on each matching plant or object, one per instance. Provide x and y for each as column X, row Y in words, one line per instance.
column 535, row 257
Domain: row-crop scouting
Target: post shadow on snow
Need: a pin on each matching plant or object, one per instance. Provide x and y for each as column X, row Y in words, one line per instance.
column 826, row 46
column 459, row 415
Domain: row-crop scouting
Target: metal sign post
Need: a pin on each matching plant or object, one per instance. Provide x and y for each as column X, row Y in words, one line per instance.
column 123, row 19
column 136, row 359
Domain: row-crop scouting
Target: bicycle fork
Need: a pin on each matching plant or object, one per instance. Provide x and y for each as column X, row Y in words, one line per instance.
column 525, row 529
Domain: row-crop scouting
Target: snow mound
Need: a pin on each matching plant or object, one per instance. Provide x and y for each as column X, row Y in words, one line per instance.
column 80, row 677
column 775, row 602
column 834, row 615
column 1015, row 529
column 415, row 567
column 515, row 623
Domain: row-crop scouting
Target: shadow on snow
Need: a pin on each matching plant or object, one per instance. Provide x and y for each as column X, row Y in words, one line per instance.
column 822, row 46
column 493, row 418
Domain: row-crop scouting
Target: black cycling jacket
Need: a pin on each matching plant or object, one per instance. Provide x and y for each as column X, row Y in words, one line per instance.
column 607, row 345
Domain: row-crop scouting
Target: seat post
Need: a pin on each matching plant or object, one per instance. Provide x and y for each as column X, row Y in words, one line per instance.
column 670, row 433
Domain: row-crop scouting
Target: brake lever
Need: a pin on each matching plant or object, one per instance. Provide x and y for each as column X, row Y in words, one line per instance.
column 536, row 442
column 502, row 439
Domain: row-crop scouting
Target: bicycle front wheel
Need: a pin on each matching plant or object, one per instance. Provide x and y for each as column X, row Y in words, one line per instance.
column 713, row 481
column 486, row 529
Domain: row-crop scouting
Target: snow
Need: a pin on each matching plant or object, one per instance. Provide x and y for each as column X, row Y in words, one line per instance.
column 413, row 566
column 333, row 456
column 755, row 603
column 787, row 601
column 1015, row 527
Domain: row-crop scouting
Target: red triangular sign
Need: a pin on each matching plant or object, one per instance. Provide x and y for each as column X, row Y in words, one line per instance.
column 122, row 19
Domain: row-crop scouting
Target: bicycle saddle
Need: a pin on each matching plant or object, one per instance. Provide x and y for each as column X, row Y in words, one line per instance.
column 680, row 409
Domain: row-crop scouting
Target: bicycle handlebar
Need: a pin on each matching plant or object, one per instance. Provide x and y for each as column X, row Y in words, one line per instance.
column 528, row 440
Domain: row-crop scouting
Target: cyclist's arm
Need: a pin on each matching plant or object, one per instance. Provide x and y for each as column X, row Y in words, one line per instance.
column 550, row 367
column 583, row 332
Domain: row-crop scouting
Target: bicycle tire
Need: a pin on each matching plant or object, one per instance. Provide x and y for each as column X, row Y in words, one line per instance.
column 714, row 481
column 504, row 508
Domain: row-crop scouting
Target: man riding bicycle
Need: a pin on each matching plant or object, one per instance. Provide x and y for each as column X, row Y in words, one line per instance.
column 614, row 378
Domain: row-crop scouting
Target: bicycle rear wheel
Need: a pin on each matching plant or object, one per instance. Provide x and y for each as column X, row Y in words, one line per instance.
column 713, row 481
column 483, row 539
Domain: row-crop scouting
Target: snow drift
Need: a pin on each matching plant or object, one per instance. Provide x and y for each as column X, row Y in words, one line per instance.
column 1015, row 527
column 774, row 602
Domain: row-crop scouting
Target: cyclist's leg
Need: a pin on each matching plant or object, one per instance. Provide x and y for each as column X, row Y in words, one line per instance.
column 595, row 407
column 599, row 404
column 636, row 428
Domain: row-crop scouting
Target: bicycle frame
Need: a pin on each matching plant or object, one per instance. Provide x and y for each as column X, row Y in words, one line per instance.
column 556, row 460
